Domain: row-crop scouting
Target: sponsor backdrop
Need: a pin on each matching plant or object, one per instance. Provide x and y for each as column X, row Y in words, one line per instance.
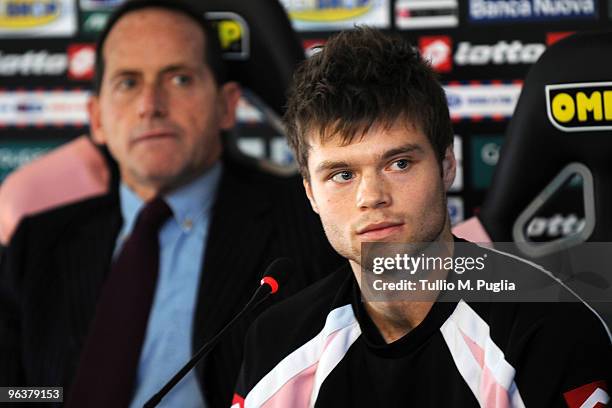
column 482, row 50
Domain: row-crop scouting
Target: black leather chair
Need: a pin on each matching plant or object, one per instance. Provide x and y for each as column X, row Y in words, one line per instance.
column 562, row 127
column 272, row 51
column 539, row 144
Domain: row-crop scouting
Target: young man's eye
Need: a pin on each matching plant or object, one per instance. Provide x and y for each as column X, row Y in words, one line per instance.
column 401, row 164
column 342, row 177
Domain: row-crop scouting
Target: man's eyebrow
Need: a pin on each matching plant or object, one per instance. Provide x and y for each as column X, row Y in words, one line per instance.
column 176, row 67
column 165, row 70
column 328, row 165
column 405, row 149
column 124, row 72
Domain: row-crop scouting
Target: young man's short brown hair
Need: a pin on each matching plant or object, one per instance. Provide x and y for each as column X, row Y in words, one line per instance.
column 359, row 79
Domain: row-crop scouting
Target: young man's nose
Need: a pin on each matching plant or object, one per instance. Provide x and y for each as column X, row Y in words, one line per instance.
column 372, row 191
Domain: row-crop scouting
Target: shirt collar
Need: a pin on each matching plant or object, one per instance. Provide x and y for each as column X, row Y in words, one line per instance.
column 189, row 203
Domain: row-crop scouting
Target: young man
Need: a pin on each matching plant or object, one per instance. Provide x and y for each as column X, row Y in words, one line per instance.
column 109, row 303
column 371, row 131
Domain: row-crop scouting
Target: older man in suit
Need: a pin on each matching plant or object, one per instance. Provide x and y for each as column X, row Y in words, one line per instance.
column 108, row 297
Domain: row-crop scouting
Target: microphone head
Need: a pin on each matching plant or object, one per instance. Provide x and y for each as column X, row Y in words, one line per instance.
column 277, row 274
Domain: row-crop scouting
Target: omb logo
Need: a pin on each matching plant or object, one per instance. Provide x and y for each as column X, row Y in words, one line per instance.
column 580, row 107
column 21, row 14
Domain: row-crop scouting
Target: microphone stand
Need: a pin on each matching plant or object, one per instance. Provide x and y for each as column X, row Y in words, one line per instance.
column 262, row 292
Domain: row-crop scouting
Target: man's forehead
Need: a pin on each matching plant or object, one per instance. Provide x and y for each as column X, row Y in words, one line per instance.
column 383, row 133
column 164, row 28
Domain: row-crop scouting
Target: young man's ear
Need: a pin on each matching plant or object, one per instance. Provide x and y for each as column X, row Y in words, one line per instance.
column 95, row 120
column 230, row 95
column 308, row 189
column 449, row 167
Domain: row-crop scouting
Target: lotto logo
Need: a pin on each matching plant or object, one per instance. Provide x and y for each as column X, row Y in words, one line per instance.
column 553, row 37
column 237, row 401
column 502, row 52
column 81, row 61
column 593, row 395
column 438, row 50
column 311, row 47
column 33, row 63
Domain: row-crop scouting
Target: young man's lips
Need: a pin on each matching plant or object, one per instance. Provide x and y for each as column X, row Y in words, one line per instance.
column 378, row 231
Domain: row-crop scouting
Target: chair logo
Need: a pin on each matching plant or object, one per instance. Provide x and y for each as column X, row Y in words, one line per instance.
column 234, row 34
column 580, row 107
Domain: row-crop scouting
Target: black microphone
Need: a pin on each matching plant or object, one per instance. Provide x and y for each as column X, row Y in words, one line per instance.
column 273, row 278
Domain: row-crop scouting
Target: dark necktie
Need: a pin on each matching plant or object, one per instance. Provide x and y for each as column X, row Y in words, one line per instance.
column 109, row 360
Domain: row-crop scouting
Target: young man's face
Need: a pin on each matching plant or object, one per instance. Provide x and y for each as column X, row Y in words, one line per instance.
column 160, row 110
column 386, row 186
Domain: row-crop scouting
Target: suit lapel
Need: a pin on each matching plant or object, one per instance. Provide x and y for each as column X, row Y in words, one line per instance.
column 65, row 276
column 84, row 255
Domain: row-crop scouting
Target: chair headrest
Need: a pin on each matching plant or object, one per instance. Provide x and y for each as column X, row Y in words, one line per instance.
column 262, row 49
column 564, row 115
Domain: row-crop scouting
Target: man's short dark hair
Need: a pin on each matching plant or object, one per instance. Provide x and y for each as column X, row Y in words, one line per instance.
column 212, row 47
column 359, row 79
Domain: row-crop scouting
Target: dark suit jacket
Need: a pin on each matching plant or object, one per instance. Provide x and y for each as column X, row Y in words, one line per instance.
column 53, row 269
